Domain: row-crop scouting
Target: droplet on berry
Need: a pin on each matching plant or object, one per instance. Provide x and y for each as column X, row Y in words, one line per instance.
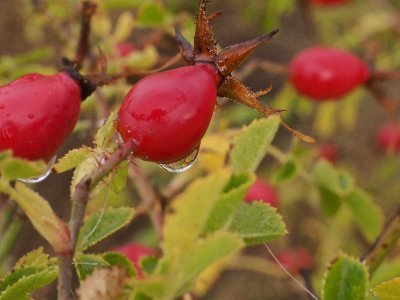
column 183, row 164
column 43, row 176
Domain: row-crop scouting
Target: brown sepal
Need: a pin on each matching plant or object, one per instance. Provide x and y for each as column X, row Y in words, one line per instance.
column 185, row 48
column 205, row 45
column 234, row 89
column 231, row 57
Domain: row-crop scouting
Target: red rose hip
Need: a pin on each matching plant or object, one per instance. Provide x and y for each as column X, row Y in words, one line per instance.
column 294, row 260
column 388, row 137
column 168, row 113
column 326, row 73
column 135, row 252
column 37, row 114
column 328, row 152
column 262, row 191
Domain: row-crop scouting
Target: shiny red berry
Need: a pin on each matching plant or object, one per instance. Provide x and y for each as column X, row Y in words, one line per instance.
column 37, row 114
column 262, row 191
column 294, row 260
column 168, row 113
column 135, row 252
column 388, row 137
column 329, row 2
column 326, row 73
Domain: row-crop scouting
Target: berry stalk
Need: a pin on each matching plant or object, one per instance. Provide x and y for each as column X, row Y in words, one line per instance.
column 80, row 199
column 384, row 244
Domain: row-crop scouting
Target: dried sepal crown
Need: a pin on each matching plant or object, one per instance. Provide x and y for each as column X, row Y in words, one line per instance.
column 225, row 62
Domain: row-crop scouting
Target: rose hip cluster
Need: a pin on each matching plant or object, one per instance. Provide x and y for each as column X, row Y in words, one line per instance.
column 165, row 114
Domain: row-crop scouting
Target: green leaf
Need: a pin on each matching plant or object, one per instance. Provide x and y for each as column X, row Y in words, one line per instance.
column 181, row 228
column 121, row 4
column 330, row 202
column 100, row 225
column 287, row 171
column 388, row 269
column 35, row 258
column 346, row 279
column 367, row 214
column 250, row 146
column 73, row 158
column 16, row 168
column 119, row 177
column 151, row 14
column 85, row 168
column 327, row 177
column 85, row 264
column 389, row 290
column 105, row 133
column 257, row 223
column 206, row 252
column 227, row 203
column 148, row 264
column 41, row 215
column 5, row 154
column 26, row 281
column 119, row 260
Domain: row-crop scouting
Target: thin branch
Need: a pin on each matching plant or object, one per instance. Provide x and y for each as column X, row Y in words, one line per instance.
column 170, row 62
column 149, row 197
column 80, row 199
column 384, row 244
column 267, row 66
column 88, row 10
column 308, row 19
column 10, row 237
column 7, row 213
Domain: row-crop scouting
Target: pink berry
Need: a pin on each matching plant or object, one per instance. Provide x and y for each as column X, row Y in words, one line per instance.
column 38, row 113
column 135, row 252
column 168, row 113
column 328, row 152
column 388, row 137
column 262, row 191
column 124, row 49
column 294, row 260
column 326, row 73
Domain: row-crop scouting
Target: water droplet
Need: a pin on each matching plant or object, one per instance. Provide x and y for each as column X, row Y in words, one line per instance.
column 43, row 176
column 31, row 116
column 183, row 164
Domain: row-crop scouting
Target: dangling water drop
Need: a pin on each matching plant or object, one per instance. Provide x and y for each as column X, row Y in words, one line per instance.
column 43, row 176
column 183, row 164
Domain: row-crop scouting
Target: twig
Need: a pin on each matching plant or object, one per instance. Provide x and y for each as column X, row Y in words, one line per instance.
column 308, row 20
column 149, row 197
column 80, row 199
column 384, row 244
column 306, row 275
column 88, row 10
column 10, row 237
column 172, row 61
column 7, row 214
column 264, row 65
